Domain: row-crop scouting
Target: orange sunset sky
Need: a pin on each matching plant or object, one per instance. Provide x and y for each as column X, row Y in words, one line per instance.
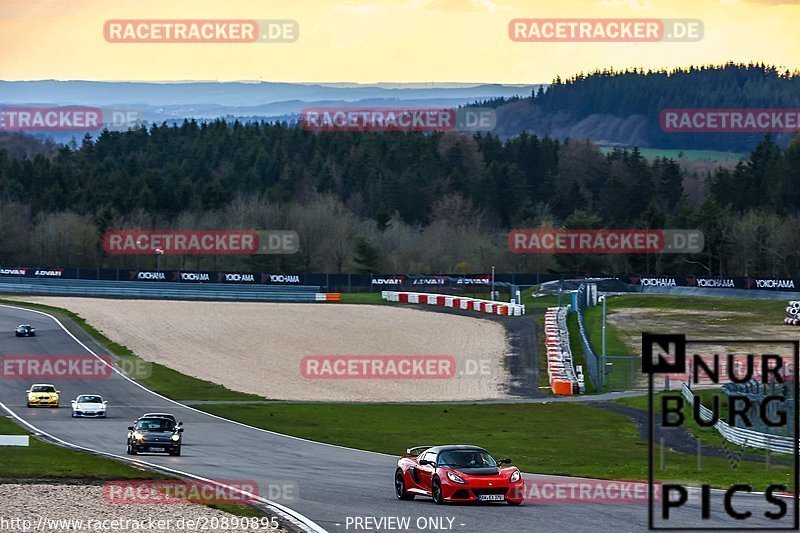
column 367, row 41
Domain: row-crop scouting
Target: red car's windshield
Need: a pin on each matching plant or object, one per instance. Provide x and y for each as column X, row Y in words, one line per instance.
column 466, row 459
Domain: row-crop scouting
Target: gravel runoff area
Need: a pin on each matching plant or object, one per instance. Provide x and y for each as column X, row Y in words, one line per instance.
column 78, row 507
column 699, row 325
column 259, row 347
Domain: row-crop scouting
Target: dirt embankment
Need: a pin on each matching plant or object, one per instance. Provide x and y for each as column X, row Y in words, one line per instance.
column 259, row 347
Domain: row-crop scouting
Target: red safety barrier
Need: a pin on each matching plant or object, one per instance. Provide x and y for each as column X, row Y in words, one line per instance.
column 485, row 306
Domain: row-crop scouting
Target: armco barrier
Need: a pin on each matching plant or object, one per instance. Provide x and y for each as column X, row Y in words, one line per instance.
column 456, row 302
column 165, row 290
column 560, row 369
column 741, row 436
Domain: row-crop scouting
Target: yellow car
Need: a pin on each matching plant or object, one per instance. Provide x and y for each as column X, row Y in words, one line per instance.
column 42, row 395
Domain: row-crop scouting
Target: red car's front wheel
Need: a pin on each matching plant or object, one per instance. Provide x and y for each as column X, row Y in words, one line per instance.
column 436, row 491
column 400, row 487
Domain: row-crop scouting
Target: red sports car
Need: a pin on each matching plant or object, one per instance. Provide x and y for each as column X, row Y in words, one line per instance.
column 457, row 474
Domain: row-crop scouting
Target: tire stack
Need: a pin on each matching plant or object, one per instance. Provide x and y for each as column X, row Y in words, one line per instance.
column 793, row 313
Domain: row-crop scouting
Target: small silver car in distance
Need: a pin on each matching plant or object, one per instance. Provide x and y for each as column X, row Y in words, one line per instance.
column 89, row 405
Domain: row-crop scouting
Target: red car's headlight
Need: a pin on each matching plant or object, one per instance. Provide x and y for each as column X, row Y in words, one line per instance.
column 455, row 478
column 515, row 476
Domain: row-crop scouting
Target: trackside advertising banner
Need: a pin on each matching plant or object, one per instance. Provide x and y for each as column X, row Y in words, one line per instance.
column 478, row 282
column 35, row 272
column 736, row 282
column 375, row 281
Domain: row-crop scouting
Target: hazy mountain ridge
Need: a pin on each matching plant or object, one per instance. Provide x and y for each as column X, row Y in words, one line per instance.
column 172, row 102
column 92, row 93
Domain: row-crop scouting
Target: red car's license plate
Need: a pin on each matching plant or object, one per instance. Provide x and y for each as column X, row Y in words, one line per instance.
column 491, row 497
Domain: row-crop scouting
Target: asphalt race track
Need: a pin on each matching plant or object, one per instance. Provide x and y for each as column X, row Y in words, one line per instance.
column 326, row 484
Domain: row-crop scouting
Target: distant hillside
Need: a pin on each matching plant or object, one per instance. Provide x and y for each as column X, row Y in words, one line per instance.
column 623, row 108
column 173, row 102
column 93, row 93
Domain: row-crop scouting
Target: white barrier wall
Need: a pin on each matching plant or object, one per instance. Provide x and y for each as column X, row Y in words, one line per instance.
column 560, row 367
column 457, row 302
column 14, row 440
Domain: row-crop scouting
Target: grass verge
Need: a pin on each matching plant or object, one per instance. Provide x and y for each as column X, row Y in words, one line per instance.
column 362, row 298
column 540, row 302
column 556, row 438
column 42, row 460
column 706, row 435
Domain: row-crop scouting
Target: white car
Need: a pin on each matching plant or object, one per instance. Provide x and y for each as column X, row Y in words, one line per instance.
column 91, row 405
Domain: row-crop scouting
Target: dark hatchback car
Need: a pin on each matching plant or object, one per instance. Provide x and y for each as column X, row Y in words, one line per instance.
column 25, row 330
column 154, row 435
